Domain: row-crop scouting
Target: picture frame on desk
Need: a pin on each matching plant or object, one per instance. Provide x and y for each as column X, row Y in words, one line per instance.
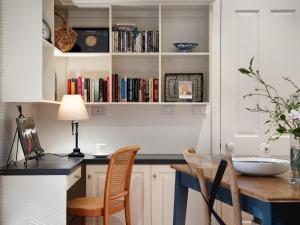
column 29, row 138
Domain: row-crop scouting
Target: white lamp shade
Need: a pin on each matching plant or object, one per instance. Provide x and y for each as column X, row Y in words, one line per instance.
column 72, row 108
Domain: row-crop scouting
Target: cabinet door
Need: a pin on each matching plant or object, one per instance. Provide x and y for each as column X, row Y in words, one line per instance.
column 269, row 31
column 163, row 186
column 140, row 194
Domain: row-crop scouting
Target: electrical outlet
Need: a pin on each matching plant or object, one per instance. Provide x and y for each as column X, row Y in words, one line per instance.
column 168, row 109
column 199, row 110
column 98, row 111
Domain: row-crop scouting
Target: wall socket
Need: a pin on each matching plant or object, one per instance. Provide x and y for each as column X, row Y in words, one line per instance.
column 98, row 111
column 168, row 109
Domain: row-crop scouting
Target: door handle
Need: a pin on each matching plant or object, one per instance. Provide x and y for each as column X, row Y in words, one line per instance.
column 229, row 147
column 89, row 175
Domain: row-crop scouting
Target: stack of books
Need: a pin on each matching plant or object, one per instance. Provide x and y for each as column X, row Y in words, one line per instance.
column 127, row 38
column 134, row 89
column 91, row 89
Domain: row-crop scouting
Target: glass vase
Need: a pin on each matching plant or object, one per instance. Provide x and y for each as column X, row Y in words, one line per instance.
column 295, row 159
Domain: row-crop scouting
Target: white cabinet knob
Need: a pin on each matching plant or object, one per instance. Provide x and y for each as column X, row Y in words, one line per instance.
column 229, row 148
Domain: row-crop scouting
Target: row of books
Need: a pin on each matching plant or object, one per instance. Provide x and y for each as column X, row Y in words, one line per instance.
column 135, row 41
column 91, row 89
column 126, row 89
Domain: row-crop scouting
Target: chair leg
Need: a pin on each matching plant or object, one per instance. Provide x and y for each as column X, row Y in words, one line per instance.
column 127, row 210
column 83, row 220
column 105, row 219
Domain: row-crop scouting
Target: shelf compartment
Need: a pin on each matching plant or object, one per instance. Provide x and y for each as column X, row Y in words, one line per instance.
column 185, row 23
column 184, row 64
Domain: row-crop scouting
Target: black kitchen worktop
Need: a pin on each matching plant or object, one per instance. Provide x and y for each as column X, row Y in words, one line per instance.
column 63, row 165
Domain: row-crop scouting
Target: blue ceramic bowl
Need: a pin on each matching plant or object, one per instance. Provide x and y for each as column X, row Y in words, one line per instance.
column 185, row 46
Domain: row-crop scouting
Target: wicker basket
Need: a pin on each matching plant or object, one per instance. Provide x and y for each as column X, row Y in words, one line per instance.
column 65, row 36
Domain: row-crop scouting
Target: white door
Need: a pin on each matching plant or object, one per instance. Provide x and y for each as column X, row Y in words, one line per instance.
column 268, row 30
column 140, row 194
column 163, row 186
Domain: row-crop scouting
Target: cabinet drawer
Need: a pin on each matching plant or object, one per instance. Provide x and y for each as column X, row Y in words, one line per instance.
column 74, row 177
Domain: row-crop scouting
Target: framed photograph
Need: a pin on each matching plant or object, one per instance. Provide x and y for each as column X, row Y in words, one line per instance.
column 184, row 87
column 91, row 40
column 29, row 138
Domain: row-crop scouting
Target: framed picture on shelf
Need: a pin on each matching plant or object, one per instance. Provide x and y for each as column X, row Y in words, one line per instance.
column 91, row 40
column 29, row 138
column 184, row 87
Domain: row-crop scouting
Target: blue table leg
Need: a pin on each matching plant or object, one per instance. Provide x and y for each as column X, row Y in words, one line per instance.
column 180, row 201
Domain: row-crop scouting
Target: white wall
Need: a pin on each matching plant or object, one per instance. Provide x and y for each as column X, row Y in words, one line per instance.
column 123, row 125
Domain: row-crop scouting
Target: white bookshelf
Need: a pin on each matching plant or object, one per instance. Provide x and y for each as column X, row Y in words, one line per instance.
column 176, row 22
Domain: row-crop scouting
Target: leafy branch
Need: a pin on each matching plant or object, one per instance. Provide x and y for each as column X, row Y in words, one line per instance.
column 284, row 113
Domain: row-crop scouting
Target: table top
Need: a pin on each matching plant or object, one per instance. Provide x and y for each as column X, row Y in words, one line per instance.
column 271, row 189
column 52, row 164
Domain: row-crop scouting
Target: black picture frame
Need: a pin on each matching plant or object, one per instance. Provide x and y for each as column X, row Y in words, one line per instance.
column 171, row 93
column 29, row 138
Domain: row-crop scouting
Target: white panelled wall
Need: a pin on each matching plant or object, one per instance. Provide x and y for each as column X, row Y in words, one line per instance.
column 269, row 31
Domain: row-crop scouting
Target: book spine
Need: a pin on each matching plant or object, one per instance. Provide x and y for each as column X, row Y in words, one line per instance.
column 96, row 90
column 100, row 90
column 105, row 87
column 107, row 93
column 130, row 90
column 123, row 90
column 150, row 90
column 79, row 80
column 155, row 90
column 88, row 88
column 116, row 88
column 147, row 91
column 69, row 86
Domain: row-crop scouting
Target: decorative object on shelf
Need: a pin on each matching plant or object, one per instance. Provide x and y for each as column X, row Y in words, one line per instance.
column 91, row 40
column 26, row 134
column 192, row 81
column 185, row 89
column 185, row 46
column 65, row 36
column 283, row 113
column 47, row 34
column 72, row 108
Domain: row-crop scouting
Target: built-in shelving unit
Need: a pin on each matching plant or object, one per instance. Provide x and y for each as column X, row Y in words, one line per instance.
column 176, row 22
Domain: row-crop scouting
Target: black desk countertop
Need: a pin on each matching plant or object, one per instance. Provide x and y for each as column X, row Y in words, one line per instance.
column 63, row 165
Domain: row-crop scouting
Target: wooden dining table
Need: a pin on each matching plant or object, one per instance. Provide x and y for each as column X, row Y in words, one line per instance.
column 271, row 200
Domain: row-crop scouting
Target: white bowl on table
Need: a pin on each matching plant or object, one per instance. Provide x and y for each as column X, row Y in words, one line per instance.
column 259, row 166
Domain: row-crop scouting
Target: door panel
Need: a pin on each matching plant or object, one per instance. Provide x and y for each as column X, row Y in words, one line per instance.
column 269, row 31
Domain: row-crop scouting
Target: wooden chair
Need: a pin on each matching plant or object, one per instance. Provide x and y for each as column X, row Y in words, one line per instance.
column 116, row 193
column 205, row 167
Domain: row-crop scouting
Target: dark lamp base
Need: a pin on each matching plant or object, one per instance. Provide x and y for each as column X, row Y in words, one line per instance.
column 76, row 153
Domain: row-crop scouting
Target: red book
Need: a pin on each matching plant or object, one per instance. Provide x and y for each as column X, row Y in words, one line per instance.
column 107, row 89
column 155, row 90
column 79, row 86
column 69, row 86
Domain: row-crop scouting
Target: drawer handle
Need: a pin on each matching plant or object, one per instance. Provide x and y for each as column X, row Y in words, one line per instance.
column 154, row 176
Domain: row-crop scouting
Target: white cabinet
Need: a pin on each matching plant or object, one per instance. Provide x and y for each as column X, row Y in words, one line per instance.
column 162, row 184
column 28, row 68
column 140, row 194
